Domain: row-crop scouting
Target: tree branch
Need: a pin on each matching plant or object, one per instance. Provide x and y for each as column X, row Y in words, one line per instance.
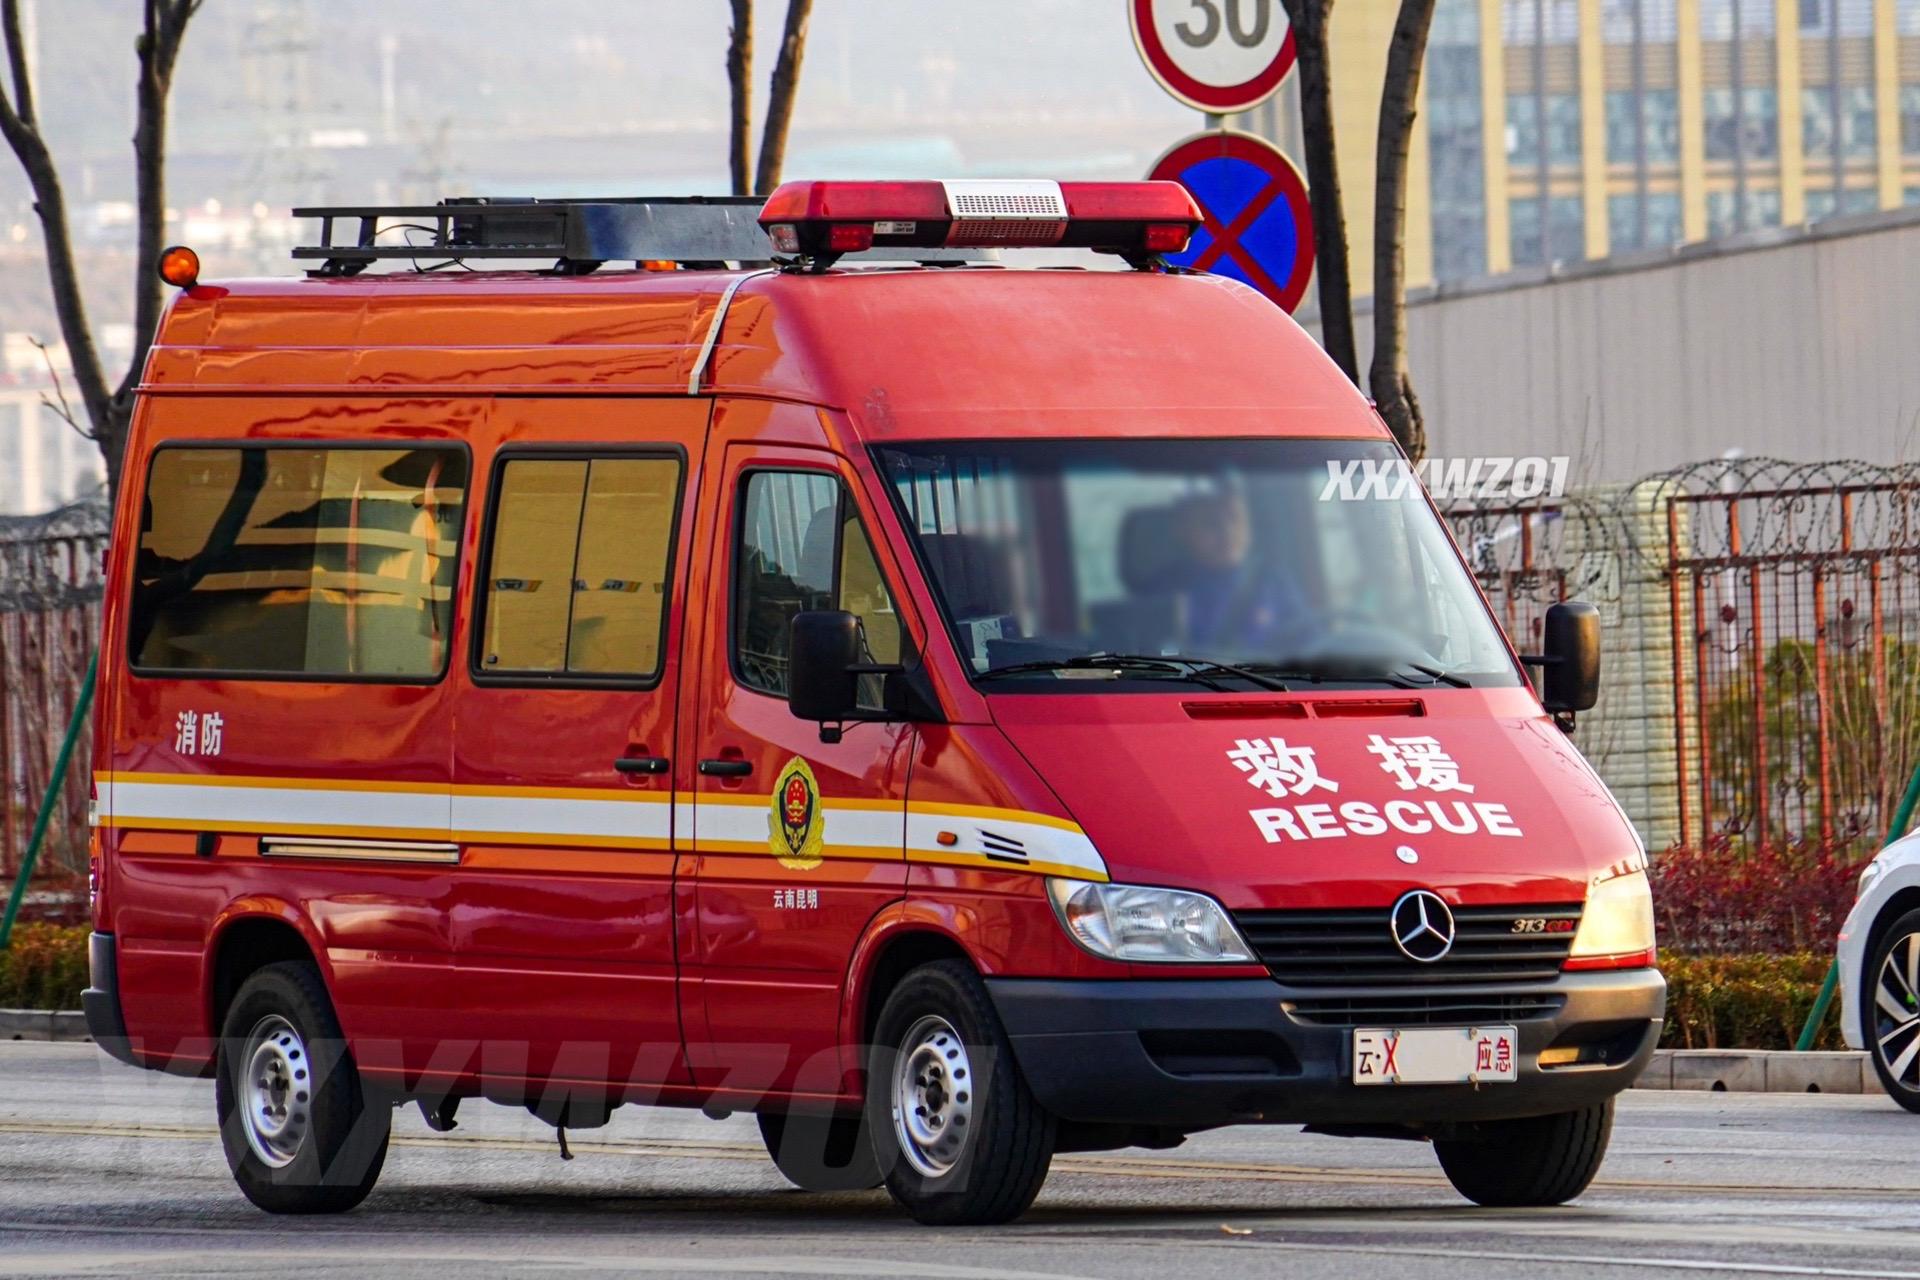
column 158, row 49
column 780, row 95
column 17, row 125
column 63, row 409
column 1388, row 378
column 740, row 82
column 22, row 106
column 1309, row 20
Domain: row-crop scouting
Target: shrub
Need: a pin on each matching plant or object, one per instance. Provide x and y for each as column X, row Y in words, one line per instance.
column 1729, row 899
column 44, row 968
column 1745, row 1002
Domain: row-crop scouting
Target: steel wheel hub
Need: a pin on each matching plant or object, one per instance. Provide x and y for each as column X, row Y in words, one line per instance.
column 932, row 1096
column 275, row 1091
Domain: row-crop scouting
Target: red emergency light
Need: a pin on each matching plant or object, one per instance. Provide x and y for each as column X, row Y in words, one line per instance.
column 822, row 220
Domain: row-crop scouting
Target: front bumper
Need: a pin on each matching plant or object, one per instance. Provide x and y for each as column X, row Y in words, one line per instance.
column 1195, row 1054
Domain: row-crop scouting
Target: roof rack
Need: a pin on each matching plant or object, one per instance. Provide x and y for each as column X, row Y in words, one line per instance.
column 580, row 235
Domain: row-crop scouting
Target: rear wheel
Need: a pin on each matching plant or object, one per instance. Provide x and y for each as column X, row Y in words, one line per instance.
column 1540, row 1160
column 1890, row 1011
column 295, row 1121
column 821, row 1153
column 959, row 1136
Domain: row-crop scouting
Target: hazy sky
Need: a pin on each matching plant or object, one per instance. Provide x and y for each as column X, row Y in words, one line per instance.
column 980, row 84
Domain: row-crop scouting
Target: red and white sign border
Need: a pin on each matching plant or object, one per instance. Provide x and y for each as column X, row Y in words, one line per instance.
column 1214, row 99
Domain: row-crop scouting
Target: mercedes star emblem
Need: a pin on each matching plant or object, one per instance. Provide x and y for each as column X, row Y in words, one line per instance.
column 1422, row 926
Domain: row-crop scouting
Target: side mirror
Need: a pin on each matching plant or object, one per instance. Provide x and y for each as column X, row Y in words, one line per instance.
column 823, row 650
column 1572, row 659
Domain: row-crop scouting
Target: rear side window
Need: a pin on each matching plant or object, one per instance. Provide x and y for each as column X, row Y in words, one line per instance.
column 288, row 562
column 802, row 547
column 576, row 579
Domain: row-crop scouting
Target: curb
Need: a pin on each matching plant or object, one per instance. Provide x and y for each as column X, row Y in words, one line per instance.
column 1759, row 1071
column 43, row 1024
column 1702, row 1070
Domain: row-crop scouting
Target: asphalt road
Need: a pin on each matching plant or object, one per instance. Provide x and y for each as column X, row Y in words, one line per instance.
column 107, row 1170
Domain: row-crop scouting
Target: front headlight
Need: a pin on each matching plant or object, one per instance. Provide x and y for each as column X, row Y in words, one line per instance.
column 1132, row 922
column 1868, row 874
column 1616, row 928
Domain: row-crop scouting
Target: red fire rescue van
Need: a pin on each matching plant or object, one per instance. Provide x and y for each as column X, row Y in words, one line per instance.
column 943, row 708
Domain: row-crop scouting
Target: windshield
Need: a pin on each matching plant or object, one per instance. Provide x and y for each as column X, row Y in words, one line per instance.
column 1063, row 562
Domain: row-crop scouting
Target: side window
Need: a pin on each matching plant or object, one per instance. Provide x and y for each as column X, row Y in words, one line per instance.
column 271, row 561
column 802, row 547
column 576, row 577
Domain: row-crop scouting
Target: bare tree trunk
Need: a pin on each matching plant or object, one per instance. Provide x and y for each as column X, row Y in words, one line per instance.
column 780, row 95
column 740, row 115
column 1389, row 379
column 163, row 27
column 1309, row 20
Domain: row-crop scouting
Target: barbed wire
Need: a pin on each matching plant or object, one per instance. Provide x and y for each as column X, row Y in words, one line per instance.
column 1795, row 514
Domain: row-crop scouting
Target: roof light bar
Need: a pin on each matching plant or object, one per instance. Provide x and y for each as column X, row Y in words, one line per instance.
column 822, row 220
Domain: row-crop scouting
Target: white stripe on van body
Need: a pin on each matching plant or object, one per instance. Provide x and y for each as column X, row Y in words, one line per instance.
column 997, row 838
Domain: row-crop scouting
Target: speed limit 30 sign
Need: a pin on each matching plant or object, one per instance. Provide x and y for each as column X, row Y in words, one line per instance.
column 1220, row 56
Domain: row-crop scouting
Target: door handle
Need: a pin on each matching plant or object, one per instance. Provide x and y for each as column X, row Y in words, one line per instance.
column 726, row 768
column 640, row 764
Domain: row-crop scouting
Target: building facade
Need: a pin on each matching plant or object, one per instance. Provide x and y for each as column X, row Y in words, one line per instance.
column 1557, row 130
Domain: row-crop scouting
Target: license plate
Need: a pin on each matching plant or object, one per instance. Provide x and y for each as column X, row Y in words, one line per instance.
column 1436, row 1055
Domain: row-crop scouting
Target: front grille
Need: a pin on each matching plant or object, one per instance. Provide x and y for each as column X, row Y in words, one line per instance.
column 1422, row 1011
column 1355, row 948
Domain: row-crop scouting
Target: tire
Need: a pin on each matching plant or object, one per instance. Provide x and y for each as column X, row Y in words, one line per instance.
column 1893, row 1042
column 821, row 1153
column 1541, row 1160
column 972, row 1144
column 320, row 1150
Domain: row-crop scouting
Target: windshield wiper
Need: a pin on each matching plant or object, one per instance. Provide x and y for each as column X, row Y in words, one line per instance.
column 1204, row 671
column 1438, row 676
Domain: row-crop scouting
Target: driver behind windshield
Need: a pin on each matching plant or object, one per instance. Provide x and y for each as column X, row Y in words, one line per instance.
column 1233, row 600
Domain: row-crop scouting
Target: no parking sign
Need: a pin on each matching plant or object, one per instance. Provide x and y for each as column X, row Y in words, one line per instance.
column 1255, row 222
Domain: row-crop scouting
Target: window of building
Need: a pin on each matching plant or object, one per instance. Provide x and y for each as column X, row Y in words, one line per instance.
column 576, row 582
column 1910, row 116
column 1718, row 18
column 1856, row 121
column 802, row 547
column 1562, row 128
column 1661, row 218
column 1725, row 215
column 1456, row 146
column 1655, row 19
column 286, row 562
column 1753, row 132
column 1653, row 115
column 1525, row 22
column 1565, row 231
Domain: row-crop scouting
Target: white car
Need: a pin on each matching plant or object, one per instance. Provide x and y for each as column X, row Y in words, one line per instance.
column 1879, row 989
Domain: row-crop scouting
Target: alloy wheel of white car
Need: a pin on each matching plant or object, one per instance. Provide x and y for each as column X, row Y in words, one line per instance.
column 1896, row 1011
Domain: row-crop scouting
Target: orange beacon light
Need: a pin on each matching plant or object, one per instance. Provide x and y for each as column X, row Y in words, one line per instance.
column 180, row 266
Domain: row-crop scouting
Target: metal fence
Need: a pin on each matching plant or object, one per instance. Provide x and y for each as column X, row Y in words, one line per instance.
column 1763, row 646
column 50, row 588
column 1762, row 678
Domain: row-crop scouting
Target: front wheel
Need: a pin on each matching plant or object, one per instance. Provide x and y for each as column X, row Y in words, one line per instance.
column 959, row 1136
column 299, row 1133
column 1890, row 1011
column 1541, row 1160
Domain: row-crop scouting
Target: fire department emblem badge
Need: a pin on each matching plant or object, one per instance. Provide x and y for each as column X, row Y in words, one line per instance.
column 797, row 822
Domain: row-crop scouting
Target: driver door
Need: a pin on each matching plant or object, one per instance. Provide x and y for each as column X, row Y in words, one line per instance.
column 798, row 843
